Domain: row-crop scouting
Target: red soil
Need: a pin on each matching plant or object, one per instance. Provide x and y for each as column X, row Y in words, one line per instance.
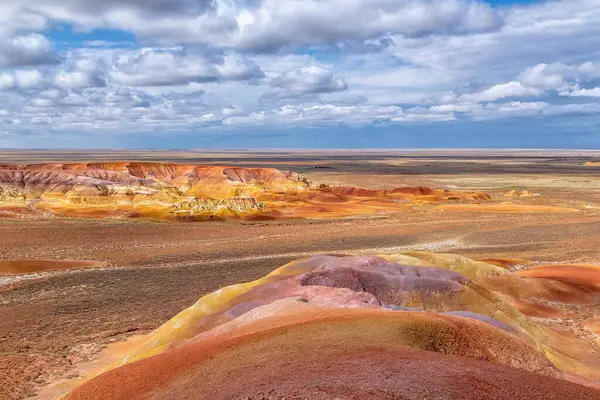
column 344, row 354
column 537, row 310
column 586, row 276
column 554, row 288
column 20, row 267
column 593, row 325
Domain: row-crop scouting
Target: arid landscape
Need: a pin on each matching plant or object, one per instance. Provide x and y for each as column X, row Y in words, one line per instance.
column 360, row 274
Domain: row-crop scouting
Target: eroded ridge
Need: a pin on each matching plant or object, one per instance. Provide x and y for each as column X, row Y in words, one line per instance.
column 191, row 192
column 413, row 325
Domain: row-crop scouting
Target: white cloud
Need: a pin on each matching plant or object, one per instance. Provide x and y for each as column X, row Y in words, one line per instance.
column 26, row 50
column 159, row 67
column 264, row 25
column 277, row 24
column 16, row 18
column 515, row 109
column 81, row 73
column 233, row 63
column 325, row 114
column 578, row 92
column 535, row 82
column 501, row 91
column 238, row 68
column 555, row 76
column 572, row 109
column 21, row 80
column 312, row 79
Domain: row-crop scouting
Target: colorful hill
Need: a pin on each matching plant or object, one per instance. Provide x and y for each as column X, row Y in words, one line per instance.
column 190, row 192
column 398, row 326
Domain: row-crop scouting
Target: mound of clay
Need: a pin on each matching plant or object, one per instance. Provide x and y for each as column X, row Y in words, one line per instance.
column 191, row 192
column 592, row 164
column 412, row 326
column 312, row 353
column 524, row 193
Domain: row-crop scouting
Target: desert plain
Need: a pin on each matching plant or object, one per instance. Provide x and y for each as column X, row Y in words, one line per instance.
column 84, row 281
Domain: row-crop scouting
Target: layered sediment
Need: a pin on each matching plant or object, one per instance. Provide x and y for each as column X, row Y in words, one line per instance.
column 412, row 325
column 517, row 193
column 190, row 192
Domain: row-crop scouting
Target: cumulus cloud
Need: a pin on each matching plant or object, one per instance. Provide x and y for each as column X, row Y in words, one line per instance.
column 26, row 50
column 161, row 67
column 81, row 73
column 576, row 91
column 277, row 24
column 75, row 74
column 16, row 18
column 232, row 63
column 556, row 75
column 501, row 91
column 312, row 79
column 238, row 68
column 267, row 25
column 102, row 108
column 156, row 67
column 150, row 7
column 536, row 81
column 22, row 80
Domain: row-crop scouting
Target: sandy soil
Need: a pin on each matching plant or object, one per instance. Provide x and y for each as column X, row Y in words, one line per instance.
column 21, row 267
column 52, row 320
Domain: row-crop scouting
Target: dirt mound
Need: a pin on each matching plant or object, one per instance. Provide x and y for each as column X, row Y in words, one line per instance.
column 327, row 313
column 311, row 352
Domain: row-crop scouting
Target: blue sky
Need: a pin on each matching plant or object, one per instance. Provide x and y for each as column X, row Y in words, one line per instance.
column 326, row 73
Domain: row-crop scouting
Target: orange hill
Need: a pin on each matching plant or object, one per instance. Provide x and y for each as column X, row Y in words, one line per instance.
column 190, row 192
column 412, row 326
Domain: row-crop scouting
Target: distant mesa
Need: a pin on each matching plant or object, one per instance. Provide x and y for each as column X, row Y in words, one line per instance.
column 592, row 164
column 524, row 193
column 193, row 193
column 395, row 326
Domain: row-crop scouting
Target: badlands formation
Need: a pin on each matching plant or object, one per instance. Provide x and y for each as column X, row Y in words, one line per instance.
column 398, row 326
column 196, row 193
column 193, row 193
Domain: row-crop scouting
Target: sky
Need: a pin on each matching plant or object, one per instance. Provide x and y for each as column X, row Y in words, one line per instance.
column 299, row 73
